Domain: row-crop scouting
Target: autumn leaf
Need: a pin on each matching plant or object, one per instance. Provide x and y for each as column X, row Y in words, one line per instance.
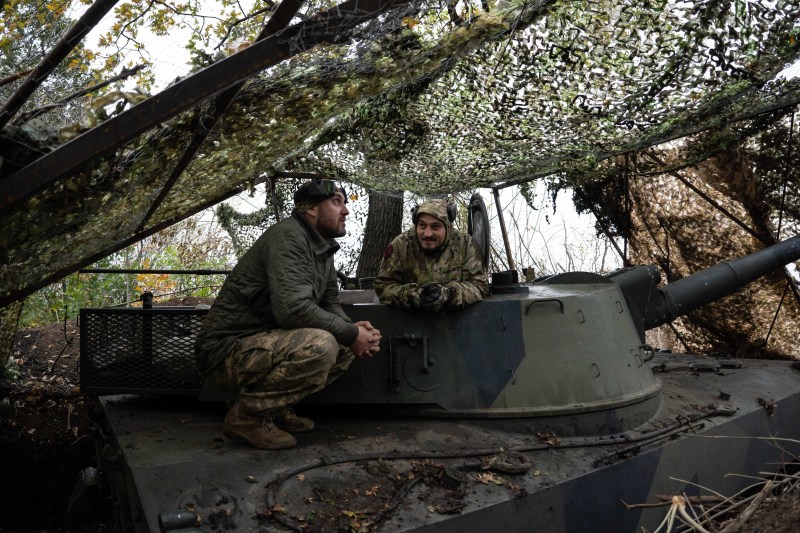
column 515, row 488
column 409, row 22
column 548, row 438
column 489, row 477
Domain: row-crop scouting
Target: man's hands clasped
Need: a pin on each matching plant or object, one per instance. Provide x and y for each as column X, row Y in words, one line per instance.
column 434, row 296
column 368, row 341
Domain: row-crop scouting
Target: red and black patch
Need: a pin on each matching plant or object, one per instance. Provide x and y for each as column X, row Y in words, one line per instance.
column 387, row 253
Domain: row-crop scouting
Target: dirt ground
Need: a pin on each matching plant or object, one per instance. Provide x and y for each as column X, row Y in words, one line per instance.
column 46, row 435
column 46, row 440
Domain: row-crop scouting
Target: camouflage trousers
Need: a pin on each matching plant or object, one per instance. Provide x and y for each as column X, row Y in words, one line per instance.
column 276, row 369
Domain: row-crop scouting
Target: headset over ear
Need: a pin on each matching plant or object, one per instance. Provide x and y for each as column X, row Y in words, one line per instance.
column 451, row 211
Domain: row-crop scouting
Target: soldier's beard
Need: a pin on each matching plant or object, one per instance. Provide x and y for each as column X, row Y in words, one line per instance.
column 432, row 251
column 331, row 227
column 332, row 232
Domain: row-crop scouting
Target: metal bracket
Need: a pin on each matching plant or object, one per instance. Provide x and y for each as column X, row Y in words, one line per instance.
column 559, row 302
column 396, row 361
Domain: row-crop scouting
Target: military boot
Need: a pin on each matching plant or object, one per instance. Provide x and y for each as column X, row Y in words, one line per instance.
column 258, row 432
column 289, row 421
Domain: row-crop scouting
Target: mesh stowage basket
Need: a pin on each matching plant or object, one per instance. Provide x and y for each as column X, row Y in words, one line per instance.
column 136, row 350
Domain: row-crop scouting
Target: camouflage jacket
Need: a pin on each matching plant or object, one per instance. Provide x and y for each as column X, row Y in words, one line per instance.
column 405, row 267
column 286, row 280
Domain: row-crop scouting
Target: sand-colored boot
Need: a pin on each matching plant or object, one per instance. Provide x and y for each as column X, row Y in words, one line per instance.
column 258, row 432
column 288, row 421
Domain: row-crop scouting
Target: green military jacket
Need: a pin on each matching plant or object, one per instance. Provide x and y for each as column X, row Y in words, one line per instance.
column 405, row 267
column 286, row 280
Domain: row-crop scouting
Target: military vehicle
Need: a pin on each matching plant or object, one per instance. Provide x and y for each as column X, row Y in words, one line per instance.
column 541, row 408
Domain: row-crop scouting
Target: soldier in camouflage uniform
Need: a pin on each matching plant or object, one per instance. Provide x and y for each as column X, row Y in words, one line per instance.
column 276, row 332
column 432, row 265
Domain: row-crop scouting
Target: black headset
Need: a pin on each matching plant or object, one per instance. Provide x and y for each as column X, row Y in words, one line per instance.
column 452, row 211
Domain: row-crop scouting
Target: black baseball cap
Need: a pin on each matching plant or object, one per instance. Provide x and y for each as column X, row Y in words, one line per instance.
column 315, row 191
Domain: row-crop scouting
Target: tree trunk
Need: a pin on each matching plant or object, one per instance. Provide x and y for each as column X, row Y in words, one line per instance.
column 384, row 223
column 9, row 317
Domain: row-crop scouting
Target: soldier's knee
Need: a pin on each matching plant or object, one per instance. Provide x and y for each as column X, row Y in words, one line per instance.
column 322, row 343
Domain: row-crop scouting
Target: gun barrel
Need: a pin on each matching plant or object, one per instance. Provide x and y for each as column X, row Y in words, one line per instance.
column 727, row 277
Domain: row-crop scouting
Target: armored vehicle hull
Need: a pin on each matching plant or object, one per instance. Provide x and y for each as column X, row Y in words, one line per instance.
column 167, row 456
column 541, row 408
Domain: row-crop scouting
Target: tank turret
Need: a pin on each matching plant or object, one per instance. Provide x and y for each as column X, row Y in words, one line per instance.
column 566, row 353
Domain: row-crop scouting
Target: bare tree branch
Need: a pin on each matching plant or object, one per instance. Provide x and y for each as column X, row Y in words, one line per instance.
column 254, row 14
column 30, row 115
column 14, row 77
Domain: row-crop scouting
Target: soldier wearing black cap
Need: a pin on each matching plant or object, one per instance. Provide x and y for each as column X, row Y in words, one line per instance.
column 276, row 332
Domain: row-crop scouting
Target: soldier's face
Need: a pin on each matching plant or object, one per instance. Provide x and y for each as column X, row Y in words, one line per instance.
column 431, row 232
column 330, row 216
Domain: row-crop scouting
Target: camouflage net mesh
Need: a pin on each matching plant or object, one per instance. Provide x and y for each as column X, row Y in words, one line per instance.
column 672, row 225
column 532, row 89
column 432, row 97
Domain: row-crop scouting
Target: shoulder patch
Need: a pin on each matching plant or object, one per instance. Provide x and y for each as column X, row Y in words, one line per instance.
column 387, row 253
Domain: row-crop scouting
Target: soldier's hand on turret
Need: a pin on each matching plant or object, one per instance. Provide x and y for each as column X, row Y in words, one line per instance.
column 445, row 295
column 434, row 296
column 429, row 293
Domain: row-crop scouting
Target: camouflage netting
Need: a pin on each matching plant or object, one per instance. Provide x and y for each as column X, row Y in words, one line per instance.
column 428, row 99
column 244, row 228
column 685, row 235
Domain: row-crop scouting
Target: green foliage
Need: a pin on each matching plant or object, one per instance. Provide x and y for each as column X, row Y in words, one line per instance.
column 62, row 300
column 185, row 246
column 28, row 30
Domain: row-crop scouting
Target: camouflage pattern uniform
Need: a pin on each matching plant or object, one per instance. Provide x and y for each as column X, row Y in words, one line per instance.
column 276, row 332
column 274, row 370
column 457, row 265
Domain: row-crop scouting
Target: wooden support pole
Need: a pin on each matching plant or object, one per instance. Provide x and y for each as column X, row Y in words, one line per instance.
column 507, row 244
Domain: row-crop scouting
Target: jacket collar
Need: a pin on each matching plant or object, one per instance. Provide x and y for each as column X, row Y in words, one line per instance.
column 319, row 244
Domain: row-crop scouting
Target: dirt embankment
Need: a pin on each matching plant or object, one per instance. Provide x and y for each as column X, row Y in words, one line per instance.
column 46, row 434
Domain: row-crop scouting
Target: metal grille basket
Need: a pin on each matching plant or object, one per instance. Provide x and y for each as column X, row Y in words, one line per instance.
column 137, row 350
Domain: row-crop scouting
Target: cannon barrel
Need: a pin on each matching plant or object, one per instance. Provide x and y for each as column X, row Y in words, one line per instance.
column 694, row 291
